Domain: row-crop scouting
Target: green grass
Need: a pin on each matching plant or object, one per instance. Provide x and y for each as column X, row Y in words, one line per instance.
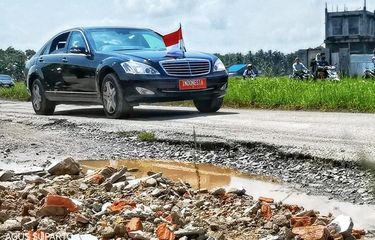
column 354, row 95
column 350, row 94
column 17, row 92
column 146, row 136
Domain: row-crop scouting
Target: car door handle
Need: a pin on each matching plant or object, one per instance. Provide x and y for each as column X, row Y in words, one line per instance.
column 65, row 60
column 41, row 59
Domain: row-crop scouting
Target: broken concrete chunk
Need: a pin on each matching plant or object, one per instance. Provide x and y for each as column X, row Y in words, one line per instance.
column 30, row 225
column 341, row 224
column 34, row 179
column 308, row 213
column 150, row 182
column 237, row 191
column 6, row 175
column 134, row 224
column 253, row 209
column 47, row 225
column 280, row 220
column 266, row 211
column 217, row 191
column 120, row 230
column 164, row 233
column 312, row 232
column 266, row 199
column 301, row 221
column 140, row 235
column 190, row 231
column 3, row 216
column 108, row 232
column 61, row 201
column 10, row 225
column 80, row 218
column 52, row 211
column 67, row 166
column 286, row 233
column 157, row 192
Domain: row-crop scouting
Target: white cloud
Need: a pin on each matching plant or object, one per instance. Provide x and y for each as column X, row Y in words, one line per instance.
column 209, row 25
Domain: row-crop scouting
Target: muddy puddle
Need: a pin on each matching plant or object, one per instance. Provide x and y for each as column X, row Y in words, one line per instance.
column 210, row 176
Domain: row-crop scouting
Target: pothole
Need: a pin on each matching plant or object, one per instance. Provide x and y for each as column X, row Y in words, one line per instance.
column 209, row 176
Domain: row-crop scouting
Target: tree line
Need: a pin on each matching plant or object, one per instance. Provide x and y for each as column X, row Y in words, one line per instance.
column 271, row 63
column 12, row 62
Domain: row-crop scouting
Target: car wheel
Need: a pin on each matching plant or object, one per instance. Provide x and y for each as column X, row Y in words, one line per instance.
column 208, row 105
column 41, row 105
column 114, row 103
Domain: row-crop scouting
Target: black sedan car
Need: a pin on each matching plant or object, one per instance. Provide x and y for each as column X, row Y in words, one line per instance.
column 120, row 68
column 6, row 81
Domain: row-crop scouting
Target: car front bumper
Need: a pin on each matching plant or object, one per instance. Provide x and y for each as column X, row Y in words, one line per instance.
column 6, row 84
column 167, row 89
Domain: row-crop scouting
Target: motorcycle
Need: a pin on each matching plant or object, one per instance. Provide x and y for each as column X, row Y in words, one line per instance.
column 301, row 75
column 327, row 73
column 369, row 74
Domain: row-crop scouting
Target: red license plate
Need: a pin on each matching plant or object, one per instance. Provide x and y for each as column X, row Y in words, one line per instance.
column 189, row 84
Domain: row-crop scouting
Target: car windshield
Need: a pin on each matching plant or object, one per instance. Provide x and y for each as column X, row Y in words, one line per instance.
column 122, row 39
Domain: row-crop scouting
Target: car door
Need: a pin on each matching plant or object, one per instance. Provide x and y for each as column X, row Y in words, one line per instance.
column 80, row 66
column 50, row 62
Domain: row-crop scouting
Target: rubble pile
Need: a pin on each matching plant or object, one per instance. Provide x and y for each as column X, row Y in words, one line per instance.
column 113, row 204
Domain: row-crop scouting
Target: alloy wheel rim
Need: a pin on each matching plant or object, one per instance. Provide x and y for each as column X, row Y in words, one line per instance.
column 37, row 98
column 109, row 97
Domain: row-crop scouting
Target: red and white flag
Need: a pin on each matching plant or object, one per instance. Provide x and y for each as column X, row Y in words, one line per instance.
column 175, row 43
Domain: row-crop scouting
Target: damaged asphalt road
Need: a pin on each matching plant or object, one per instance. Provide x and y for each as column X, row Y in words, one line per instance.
column 29, row 141
column 327, row 135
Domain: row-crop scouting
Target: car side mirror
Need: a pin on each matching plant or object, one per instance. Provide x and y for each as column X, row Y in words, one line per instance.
column 78, row 50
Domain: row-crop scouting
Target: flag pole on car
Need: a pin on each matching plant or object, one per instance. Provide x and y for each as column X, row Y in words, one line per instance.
column 175, row 43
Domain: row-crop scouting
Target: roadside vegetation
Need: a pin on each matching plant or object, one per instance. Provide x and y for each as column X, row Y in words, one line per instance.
column 17, row 92
column 146, row 136
column 349, row 94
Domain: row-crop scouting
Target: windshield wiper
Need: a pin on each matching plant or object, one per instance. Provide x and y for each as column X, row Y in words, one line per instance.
column 125, row 49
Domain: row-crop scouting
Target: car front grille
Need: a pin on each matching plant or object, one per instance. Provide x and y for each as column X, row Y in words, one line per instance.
column 186, row 67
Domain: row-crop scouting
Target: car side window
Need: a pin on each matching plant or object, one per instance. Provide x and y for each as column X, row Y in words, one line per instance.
column 46, row 49
column 58, row 44
column 76, row 41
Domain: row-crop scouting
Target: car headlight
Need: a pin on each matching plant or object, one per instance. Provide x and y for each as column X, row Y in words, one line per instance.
column 134, row 67
column 219, row 66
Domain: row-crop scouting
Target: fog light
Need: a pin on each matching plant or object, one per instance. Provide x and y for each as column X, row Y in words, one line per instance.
column 144, row 91
column 224, row 87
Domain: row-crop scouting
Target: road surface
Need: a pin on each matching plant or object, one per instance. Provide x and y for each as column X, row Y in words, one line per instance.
column 349, row 136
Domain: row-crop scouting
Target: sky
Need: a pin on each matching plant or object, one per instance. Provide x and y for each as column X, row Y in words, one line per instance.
column 215, row 26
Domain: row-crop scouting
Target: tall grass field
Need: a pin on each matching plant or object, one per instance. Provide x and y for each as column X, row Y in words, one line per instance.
column 349, row 94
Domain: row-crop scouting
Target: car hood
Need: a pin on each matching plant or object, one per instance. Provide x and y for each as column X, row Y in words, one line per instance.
column 157, row 56
column 6, row 80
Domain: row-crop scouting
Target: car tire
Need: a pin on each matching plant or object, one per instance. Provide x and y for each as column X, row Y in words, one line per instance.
column 208, row 105
column 41, row 105
column 114, row 104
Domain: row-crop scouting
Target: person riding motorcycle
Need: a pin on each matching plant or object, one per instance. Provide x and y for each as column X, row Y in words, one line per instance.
column 370, row 73
column 249, row 72
column 298, row 69
column 321, row 70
